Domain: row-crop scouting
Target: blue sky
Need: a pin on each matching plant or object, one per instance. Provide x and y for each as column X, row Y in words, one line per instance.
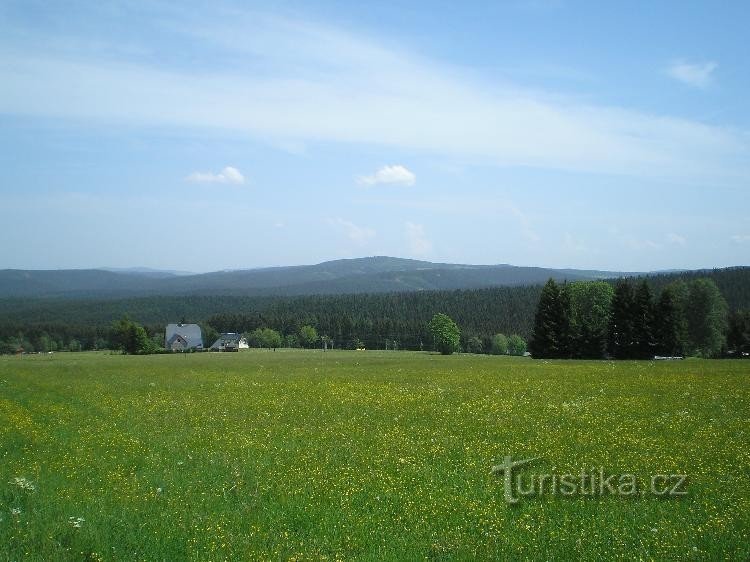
column 216, row 135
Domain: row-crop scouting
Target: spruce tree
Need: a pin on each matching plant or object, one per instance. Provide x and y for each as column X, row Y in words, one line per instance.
column 620, row 344
column 738, row 335
column 681, row 293
column 544, row 339
column 667, row 331
column 564, row 327
column 551, row 337
column 643, row 322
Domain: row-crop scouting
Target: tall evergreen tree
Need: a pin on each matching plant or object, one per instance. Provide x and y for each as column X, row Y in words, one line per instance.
column 620, row 344
column 544, row 338
column 643, row 322
column 681, row 293
column 738, row 335
column 564, row 327
column 551, row 335
column 667, row 324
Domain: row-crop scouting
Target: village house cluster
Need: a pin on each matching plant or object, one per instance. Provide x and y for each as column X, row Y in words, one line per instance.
column 189, row 337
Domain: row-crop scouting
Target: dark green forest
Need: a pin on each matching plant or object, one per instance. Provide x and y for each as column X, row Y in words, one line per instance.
column 375, row 320
column 594, row 320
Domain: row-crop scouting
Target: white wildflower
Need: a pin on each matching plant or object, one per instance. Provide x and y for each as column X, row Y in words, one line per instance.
column 24, row 484
column 15, row 511
column 76, row 522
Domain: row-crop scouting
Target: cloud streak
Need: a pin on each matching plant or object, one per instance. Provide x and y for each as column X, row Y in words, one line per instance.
column 304, row 82
column 677, row 239
column 229, row 175
column 357, row 234
column 697, row 75
column 390, row 175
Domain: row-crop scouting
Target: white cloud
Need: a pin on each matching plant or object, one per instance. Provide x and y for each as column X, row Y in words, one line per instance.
column 673, row 238
column 419, row 244
column 228, row 175
column 397, row 174
column 357, row 234
column 638, row 244
column 741, row 238
column 303, row 82
column 698, row 75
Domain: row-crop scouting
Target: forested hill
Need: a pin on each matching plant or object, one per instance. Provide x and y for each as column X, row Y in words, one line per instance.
column 362, row 275
column 371, row 317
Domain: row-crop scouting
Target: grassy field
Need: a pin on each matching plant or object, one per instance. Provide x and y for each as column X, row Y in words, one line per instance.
column 365, row 455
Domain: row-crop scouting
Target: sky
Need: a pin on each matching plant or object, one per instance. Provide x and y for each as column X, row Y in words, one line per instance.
column 202, row 136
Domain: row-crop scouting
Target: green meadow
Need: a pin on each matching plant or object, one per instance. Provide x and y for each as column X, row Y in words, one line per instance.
column 305, row 455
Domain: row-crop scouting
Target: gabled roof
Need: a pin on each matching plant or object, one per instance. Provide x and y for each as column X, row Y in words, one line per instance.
column 229, row 338
column 190, row 332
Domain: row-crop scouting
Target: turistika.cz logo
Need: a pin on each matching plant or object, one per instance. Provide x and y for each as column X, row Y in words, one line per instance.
column 596, row 482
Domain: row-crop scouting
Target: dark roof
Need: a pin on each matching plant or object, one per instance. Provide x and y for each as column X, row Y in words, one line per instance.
column 190, row 332
column 227, row 338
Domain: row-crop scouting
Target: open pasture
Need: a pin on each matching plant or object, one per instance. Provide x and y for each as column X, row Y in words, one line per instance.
column 365, row 455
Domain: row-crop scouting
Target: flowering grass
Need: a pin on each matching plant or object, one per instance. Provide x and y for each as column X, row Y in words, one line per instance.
column 304, row 455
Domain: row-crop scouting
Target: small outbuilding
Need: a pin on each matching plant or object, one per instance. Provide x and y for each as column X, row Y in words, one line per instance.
column 230, row 342
column 183, row 337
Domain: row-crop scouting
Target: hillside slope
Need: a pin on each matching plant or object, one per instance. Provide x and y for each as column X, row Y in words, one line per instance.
column 362, row 275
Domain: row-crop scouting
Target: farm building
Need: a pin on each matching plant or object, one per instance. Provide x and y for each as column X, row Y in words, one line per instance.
column 230, row 342
column 181, row 337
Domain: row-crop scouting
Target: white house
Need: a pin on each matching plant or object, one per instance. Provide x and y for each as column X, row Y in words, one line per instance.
column 230, row 342
column 181, row 337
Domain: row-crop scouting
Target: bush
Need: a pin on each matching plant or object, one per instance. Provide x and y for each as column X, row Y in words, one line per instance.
column 445, row 334
column 499, row 344
column 474, row 345
column 516, row 345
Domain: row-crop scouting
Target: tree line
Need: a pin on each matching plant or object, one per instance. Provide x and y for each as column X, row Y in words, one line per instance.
column 593, row 320
column 376, row 321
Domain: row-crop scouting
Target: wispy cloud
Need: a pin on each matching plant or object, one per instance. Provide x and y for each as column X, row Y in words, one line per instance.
column 677, row 239
column 358, row 234
column 576, row 245
column 523, row 220
column 393, row 175
column 416, row 238
column 741, row 238
column 637, row 244
column 302, row 82
column 698, row 75
column 229, row 175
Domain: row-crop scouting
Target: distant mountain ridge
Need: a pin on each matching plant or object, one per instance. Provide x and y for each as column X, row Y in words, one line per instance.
column 379, row 274
column 360, row 275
